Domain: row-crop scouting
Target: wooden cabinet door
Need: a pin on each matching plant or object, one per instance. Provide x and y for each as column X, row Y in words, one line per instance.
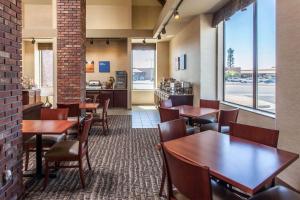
column 120, row 98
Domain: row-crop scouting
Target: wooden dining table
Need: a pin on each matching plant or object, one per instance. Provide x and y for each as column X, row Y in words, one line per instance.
column 193, row 112
column 246, row 165
column 39, row 128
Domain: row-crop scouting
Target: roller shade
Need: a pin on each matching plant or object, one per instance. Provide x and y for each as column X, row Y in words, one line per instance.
column 229, row 9
column 141, row 46
column 45, row 46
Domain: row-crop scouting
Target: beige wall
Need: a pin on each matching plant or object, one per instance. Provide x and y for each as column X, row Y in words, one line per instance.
column 140, row 97
column 28, row 60
column 108, row 16
column 187, row 42
column 115, row 52
column 287, row 88
column 145, row 17
column 162, row 56
column 208, row 66
column 37, row 16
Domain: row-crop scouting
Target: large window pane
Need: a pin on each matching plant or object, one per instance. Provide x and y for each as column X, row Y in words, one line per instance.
column 238, row 70
column 47, row 66
column 143, row 70
column 266, row 55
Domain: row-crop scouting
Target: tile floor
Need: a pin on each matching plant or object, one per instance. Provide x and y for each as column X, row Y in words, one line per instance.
column 142, row 116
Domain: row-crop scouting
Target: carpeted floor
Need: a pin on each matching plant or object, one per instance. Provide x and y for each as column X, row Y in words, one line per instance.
column 125, row 165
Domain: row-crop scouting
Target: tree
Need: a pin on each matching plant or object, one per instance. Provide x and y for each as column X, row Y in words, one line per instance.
column 230, row 58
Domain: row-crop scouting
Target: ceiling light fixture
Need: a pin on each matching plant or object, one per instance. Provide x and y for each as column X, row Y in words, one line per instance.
column 159, row 37
column 91, row 41
column 176, row 15
column 163, row 30
column 144, row 41
column 33, row 41
column 107, row 42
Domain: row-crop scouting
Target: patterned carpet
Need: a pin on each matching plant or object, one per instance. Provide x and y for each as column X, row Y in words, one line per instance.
column 125, row 165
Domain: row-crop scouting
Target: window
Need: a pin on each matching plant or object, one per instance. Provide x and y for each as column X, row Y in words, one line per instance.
column 46, row 58
column 249, row 57
column 143, row 68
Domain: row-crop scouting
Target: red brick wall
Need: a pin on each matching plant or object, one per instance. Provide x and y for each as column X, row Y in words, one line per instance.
column 10, row 98
column 71, row 35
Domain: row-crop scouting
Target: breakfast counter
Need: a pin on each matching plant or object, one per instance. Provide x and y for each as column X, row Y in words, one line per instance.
column 118, row 97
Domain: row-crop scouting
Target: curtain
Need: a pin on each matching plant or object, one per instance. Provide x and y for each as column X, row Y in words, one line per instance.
column 229, row 9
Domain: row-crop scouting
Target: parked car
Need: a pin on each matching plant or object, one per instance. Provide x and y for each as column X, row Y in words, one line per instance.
column 234, row 79
column 271, row 80
column 246, row 80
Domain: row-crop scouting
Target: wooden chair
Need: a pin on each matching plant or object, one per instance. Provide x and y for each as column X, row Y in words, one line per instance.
column 277, row 193
column 170, row 130
column 191, row 180
column 74, row 114
column 166, row 103
column 70, row 151
column 103, row 117
column 47, row 140
column 94, row 99
column 167, row 114
column 225, row 117
column 214, row 104
column 264, row 136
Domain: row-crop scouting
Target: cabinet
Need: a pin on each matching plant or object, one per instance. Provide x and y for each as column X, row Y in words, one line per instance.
column 177, row 99
column 118, row 98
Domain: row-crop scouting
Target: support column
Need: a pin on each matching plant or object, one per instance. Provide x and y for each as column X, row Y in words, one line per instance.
column 71, row 36
column 11, row 145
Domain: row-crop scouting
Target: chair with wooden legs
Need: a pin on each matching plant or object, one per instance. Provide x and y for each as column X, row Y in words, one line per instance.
column 170, row 130
column 47, row 140
column 103, row 117
column 264, row 136
column 166, row 103
column 222, row 126
column 74, row 115
column 192, row 181
column 167, row 114
column 204, row 103
column 70, row 151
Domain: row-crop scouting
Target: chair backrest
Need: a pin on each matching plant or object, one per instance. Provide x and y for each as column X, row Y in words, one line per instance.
column 167, row 114
column 227, row 116
column 54, row 114
column 105, row 108
column 83, row 138
column 171, row 130
column 166, row 103
column 214, row 104
column 74, row 110
column 190, row 179
column 264, row 136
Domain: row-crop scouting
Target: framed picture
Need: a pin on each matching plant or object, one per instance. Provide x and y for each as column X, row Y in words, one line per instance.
column 104, row 66
column 177, row 61
column 89, row 67
column 182, row 62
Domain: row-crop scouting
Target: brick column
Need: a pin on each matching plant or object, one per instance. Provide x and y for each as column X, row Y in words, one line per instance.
column 71, row 35
column 10, row 99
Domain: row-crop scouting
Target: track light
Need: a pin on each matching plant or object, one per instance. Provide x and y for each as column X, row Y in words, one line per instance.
column 144, row 41
column 159, row 36
column 33, row 41
column 176, row 15
column 92, row 42
column 163, row 30
column 107, row 42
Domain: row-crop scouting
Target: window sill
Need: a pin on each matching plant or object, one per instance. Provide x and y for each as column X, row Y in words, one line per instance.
column 266, row 114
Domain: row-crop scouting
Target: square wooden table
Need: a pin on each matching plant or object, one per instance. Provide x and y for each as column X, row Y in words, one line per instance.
column 194, row 112
column 41, row 127
column 246, row 165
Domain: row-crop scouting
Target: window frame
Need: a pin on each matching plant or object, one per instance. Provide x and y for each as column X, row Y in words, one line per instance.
column 255, row 65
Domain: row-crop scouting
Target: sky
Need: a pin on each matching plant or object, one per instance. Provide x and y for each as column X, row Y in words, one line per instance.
column 239, row 35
